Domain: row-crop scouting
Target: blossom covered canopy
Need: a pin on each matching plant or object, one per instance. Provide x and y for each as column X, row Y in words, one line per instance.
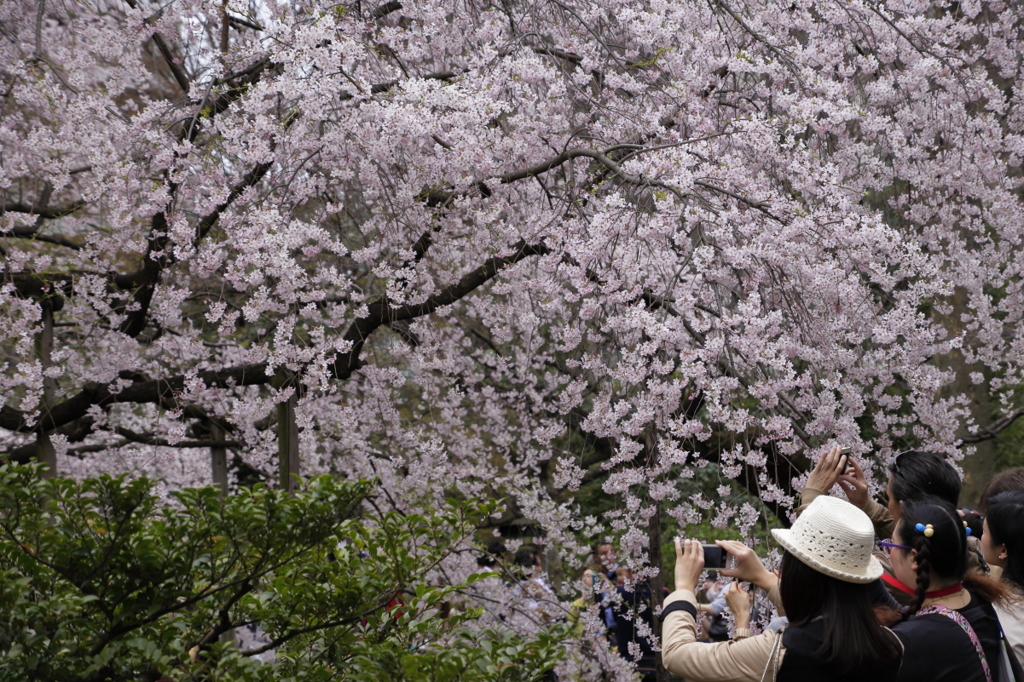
column 509, row 248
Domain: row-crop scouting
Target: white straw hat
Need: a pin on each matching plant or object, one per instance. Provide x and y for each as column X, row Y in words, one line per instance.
column 835, row 538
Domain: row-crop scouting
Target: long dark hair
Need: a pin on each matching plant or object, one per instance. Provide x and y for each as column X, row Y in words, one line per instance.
column 1006, row 526
column 943, row 554
column 853, row 641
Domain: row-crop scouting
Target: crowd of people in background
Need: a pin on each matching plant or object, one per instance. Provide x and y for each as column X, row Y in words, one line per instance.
column 916, row 589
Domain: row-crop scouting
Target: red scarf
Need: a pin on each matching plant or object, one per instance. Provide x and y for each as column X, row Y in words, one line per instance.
column 934, row 594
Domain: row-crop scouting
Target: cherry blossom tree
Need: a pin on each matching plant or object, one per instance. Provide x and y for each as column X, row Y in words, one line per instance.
column 505, row 249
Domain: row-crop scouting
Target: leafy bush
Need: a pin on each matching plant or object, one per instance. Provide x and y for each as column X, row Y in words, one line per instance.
column 101, row 580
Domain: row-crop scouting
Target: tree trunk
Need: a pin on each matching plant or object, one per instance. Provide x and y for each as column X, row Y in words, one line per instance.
column 979, row 467
column 654, row 549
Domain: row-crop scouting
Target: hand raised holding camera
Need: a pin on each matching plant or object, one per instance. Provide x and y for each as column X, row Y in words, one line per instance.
column 738, row 601
column 748, row 565
column 689, row 564
column 827, row 470
column 855, row 485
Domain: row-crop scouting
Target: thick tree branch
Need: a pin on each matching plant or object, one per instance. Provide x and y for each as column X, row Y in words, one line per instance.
column 251, row 179
column 145, row 280
column 26, row 232
column 385, row 9
column 150, row 439
column 619, row 174
column 163, row 391
column 248, row 73
column 31, row 285
column 995, row 428
column 759, row 205
column 161, row 44
column 42, row 211
column 561, row 54
column 377, row 88
column 160, row 391
column 240, row 22
column 596, row 155
column 176, row 70
column 75, row 432
column 381, row 312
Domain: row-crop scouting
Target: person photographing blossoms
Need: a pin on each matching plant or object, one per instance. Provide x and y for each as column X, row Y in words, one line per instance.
column 823, row 590
column 913, row 476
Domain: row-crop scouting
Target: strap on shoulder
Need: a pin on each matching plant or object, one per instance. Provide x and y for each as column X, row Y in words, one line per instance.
column 959, row 619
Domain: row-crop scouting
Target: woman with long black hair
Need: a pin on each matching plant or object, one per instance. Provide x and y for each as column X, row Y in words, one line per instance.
column 1002, row 543
column 828, row 574
column 952, row 632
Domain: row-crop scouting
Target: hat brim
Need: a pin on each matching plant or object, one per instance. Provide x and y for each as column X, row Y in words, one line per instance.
column 873, row 570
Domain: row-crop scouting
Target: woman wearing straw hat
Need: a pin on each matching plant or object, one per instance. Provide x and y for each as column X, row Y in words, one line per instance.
column 824, row 590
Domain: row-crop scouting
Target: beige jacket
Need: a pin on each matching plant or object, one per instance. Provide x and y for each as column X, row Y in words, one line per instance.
column 735, row 661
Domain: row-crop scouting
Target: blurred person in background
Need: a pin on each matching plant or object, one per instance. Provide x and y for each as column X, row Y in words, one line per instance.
column 1002, row 543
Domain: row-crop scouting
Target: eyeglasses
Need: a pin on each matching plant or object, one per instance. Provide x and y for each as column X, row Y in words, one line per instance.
column 887, row 546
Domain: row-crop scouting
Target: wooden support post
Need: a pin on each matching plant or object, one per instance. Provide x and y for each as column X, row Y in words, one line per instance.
column 219, row 470
column 45, row 452
column 219, row 459
column 288, row 442
column 225, row 30
column 555, row 569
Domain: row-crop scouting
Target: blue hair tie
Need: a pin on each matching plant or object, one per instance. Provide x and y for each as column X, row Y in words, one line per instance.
column 968, row 530
column 919, row 527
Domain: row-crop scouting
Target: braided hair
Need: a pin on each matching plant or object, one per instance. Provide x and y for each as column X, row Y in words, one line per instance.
column 932, row 528
column 924, row 570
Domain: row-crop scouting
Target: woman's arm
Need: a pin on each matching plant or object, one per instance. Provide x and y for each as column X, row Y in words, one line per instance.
column 739, row 603
column 748, row 565
column 683, row 655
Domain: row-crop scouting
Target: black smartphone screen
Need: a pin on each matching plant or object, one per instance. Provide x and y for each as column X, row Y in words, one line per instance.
column 714, row 556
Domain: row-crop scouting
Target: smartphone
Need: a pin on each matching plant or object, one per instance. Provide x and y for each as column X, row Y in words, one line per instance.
column 714, row 556
column 847, row 467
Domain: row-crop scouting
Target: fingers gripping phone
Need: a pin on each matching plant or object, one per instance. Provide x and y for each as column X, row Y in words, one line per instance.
column 845, row 453
column 714, row 556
